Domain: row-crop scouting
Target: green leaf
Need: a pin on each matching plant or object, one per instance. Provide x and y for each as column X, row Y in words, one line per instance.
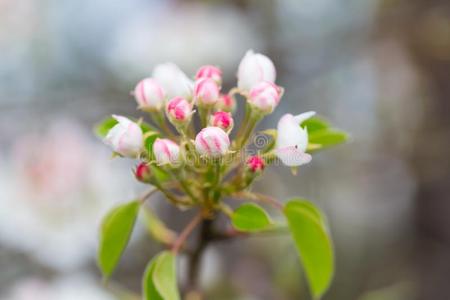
column 157, row 228
column 149, row 289
column 315, row 124
column 160, row 174
column 328, row 137
column 160, row 280
column 149, row 139
column 313, row 210
column 114, row 235
column 322, row 135
column 251, row 217
column 312, row 242
column 101, row 129
column 145, row 126
column 164, row 276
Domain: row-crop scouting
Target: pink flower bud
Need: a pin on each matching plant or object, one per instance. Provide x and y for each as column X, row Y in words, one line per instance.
column 179, row 110
column 222, row 120
column 142, row 172
column 209, row 71
column 125, row 137
column 254, row 68
column 265, row 96
column 226, row 103
column 166, row 151
column 256, row 163
column 206, row 91
column 212, row 141
column 149, row 94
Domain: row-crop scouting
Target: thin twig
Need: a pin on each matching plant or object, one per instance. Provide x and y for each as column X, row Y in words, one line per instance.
column 233, row 233
column 147, row 194
column 261, row 197
column 186, row 232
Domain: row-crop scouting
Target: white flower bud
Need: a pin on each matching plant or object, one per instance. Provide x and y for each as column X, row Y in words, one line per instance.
column 212, row 141
column 166, row 151
column 149, row 95
column 254, row 68
column 292, row 140
column 206, row 91
column 173, row 80
column 125, row 137
column 265, row 96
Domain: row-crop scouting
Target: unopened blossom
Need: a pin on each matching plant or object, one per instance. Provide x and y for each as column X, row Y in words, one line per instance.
column 292, row 140
column 265, row 96
column 210, row 71
column 212, row 141
column 125, row 137
column 255, row 164
column 173, row 80
column 149, row 95
column 166, row 151
column 222, row 120
column 226, row 103
column 206, row 91
column 254, row 68
column 179, row 110
column 142, row 172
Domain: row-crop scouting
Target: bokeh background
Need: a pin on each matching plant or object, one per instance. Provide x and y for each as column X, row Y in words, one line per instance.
column 379, row 69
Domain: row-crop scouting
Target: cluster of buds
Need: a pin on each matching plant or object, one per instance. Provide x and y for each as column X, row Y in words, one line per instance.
column 178, row 147
column 198, row 152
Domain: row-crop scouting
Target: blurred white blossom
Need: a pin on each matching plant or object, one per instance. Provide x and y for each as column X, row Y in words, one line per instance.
column 73, row 287
column 53, row 194
column 188, row 35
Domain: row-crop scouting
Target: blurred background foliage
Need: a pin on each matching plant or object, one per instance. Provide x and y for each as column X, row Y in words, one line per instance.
column 379, row 69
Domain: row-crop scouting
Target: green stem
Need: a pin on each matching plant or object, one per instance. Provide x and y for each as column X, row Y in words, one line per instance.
column 204, row 112
column 244, row 121
column 172, row 198
column 185, row 186
column 253, row 120
column 159, row 119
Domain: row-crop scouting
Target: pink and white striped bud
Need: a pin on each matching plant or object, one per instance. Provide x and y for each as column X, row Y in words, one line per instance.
column 125, row 137
column 226, row 103
column 212, row 141
column 256, row 164
column 265, row 96
column 173, row 80
column 149, row 95
column 166, row 152
column 179, row 110
column 254, row 68
column 222, row 120
column 206, row 91
column 209, row 71
column 143, row 173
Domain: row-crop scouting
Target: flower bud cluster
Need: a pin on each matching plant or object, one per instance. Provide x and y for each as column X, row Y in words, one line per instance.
column 176, row 136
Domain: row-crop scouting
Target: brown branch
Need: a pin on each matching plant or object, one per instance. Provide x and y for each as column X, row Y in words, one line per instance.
column 186, row 232
column 205, row 237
